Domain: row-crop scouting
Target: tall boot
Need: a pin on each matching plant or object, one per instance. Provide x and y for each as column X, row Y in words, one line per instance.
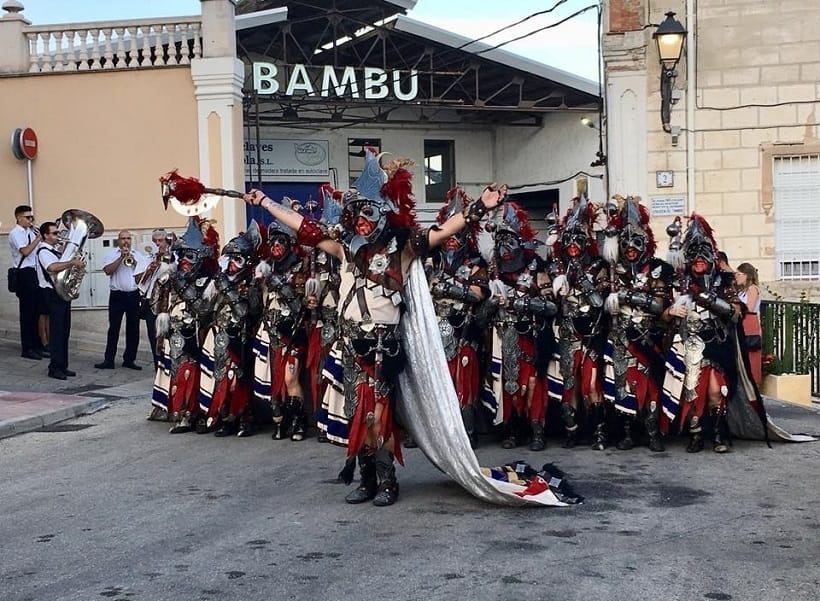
column 653, row 428
column 570, row 425
column 511, row 428
column 599, row 419
column 468, row 417
column 368, row 486
column 279, row 426
column 695, row 436
column 182, row 425
column 245, row 423
column 626, row 443
column 720, row 443
column 388, row 491
column 296, row 409
column 537, row 443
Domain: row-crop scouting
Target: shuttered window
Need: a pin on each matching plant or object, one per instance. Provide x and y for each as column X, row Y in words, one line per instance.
column 797, row 217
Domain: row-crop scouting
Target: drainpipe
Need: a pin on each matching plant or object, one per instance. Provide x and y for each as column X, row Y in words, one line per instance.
column 691, row 91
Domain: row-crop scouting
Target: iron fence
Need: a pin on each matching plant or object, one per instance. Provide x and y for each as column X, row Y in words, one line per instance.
column 791, row 336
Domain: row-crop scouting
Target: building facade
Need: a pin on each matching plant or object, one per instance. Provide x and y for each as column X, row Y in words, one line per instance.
column 743, row 149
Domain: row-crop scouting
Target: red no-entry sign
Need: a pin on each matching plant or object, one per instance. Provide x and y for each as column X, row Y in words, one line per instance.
column 24, row 143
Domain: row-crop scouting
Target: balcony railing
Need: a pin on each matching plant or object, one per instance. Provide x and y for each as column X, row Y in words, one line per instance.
column 791, row 335
column 97, row 46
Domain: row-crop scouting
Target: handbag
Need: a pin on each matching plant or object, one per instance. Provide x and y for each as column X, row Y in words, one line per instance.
column 14, row 276
column 754, row 342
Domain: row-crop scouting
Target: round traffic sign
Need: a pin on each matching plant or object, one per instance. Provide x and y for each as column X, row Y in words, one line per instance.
column 24, row 143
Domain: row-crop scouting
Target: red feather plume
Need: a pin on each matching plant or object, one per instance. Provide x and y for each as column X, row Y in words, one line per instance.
column 399, row 189
column 187, row 190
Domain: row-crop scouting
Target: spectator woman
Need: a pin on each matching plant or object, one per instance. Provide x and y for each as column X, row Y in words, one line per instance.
column 749, row 293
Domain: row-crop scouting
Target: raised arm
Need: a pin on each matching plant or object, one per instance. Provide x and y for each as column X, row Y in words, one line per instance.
column 492, row 196
column 290, row 218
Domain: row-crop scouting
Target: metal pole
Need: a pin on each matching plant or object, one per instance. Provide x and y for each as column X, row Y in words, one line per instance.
column 30, row 184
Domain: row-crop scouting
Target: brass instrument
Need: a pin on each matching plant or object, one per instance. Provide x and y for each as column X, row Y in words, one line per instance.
column 80, row 226
column 128, row 257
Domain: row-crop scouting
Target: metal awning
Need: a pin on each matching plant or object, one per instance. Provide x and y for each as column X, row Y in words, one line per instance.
column 459, row 81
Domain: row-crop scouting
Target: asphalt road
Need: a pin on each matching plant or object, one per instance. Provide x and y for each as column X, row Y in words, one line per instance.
column 109, row 506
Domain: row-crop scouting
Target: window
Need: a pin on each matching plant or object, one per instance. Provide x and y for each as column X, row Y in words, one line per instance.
column 439, row 169
column 796, row 188
column 355, row 155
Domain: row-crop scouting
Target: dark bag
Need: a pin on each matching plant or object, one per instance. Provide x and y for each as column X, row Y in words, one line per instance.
column 754, row 342
column 13, row 276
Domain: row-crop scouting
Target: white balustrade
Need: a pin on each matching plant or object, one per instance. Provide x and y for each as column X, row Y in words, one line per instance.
column 131, row 44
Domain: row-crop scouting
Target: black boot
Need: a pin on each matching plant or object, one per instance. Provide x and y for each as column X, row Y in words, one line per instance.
column 511, row 428
column 570, row 426
column 537, row 443
column 720, row 443
column 599, row 419
column 182, row 423
column 296, row 410
column 653, row 428
column 695, row 436
column 368, row 486
column 279, row 426
column 626, row 443
column 227, row 426
column 468, row 417
column 245, row 424
column 388, row 491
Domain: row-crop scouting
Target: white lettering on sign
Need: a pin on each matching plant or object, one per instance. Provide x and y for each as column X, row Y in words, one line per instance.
column 668, row 205
column 325, row 81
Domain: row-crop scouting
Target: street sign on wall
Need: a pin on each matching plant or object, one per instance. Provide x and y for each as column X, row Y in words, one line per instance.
column 668, row 205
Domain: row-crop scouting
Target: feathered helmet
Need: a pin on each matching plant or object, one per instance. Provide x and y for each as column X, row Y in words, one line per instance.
column 457, row 200
column 514, row 238
column 576, row 236
column 242, row 250
column 380, row 196
column 699, row 246
column 282, row 235
column 193, row 250
column 628, row 236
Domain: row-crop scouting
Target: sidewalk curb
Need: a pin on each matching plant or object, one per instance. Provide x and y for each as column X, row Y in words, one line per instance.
column 21, row 425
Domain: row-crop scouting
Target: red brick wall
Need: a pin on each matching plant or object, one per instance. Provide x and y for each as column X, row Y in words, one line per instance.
column 625, row 15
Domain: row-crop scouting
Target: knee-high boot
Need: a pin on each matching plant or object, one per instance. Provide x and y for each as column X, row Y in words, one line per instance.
column 279, row 422
column 695, row 436
column 537, row 443
column 386, row 472
column 626, row 443
column 653, row 428
column 599, row 419
column 720, row 443
column 468, row 417
column 570, row 425
column 368, row 486
column 298, row 418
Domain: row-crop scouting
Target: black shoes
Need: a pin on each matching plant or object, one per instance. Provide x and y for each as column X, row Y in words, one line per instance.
column 57, row 375
column 31, row 355
column 104, row 365
column 70, row 373
column 133, row 366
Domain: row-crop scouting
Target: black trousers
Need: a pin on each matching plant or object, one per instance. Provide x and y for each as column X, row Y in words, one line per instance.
column 59, row 324
column 28, row 295
column 119, row 304
column 150, row 328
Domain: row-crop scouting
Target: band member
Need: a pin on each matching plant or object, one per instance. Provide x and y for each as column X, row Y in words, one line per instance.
column 376, row 243
column 124, row 300
column 181, row 305
column 641, row 292
column 59, row 309
column 145, row 276
column 281, row 340
column 23, row 240
column 523, row 330
column 227, row 361
column 580, row 285
column 458, row 283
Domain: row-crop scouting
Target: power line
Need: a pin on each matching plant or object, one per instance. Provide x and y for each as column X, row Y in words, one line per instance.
column 506, row 27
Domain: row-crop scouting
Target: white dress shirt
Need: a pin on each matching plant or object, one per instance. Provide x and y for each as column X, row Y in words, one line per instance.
column 122, row 280
column 18, row 238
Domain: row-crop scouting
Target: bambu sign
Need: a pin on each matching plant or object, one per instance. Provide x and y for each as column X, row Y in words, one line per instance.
column 371, row 83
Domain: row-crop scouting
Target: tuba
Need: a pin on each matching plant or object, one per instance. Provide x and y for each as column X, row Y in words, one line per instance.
column 81, row 225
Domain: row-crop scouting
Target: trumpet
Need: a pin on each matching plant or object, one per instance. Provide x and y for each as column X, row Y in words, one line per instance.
column 128, row 257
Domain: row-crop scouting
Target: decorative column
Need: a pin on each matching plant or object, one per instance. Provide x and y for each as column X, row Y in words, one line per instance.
column 218, row 77
column 14, row 45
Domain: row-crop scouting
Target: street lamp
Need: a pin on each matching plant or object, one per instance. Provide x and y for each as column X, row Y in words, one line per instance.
column 669, row 37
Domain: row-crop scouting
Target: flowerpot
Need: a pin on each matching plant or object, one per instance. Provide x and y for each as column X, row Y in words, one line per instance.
column 794, row 388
